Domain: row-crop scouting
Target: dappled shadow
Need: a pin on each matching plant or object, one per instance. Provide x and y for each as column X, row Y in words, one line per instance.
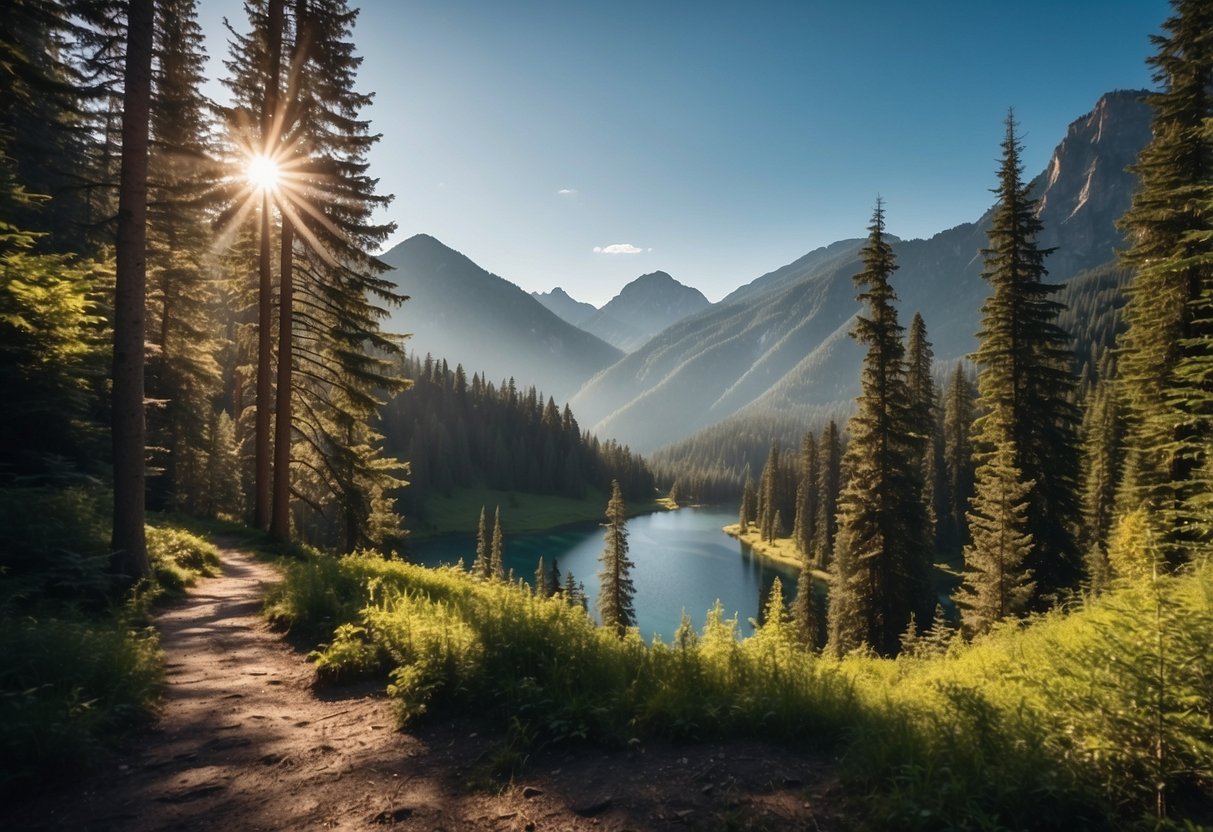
column 246, row 742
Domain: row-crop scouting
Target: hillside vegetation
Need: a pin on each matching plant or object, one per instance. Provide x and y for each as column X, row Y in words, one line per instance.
column 1099, row 712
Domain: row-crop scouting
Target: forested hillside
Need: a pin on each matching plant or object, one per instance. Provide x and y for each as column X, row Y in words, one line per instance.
column 460, row 433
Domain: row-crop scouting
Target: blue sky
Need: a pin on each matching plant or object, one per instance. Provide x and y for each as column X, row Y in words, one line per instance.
column 579, row 144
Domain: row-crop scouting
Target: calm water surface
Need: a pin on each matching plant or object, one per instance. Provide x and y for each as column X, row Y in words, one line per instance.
column 682, row 561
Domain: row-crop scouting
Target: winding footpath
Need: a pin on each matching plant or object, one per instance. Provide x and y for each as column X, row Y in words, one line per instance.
column 245, row 742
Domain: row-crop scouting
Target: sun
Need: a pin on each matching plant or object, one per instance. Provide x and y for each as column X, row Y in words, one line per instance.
column 263, row 173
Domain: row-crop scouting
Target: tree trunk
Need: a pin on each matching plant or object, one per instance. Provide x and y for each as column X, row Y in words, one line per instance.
column 265, row 294
column 129, row 543
column 281, row 525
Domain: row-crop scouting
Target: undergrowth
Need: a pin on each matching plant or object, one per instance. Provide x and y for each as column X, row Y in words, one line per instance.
column 80, row 664
column 1101, row 717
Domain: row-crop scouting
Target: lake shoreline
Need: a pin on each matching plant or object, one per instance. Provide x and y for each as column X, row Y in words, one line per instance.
column 779, row 551
column 539, row 514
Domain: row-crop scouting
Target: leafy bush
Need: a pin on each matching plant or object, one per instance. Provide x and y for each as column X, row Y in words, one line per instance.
column 77, row 666
column 1093, row 718
column 67, row 685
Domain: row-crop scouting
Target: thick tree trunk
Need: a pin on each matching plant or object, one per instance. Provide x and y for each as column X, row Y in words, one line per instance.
column 265, row 294
column 281, row 525
column 129, row 543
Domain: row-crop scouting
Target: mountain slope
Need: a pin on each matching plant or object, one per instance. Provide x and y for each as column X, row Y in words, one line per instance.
column 780, row 343
column 565, row 307
column 643, row 308
column 460, row 312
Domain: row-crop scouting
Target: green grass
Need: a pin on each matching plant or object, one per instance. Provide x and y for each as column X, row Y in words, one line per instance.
column 80, row 664
column 460, row 513
column 1080, row 720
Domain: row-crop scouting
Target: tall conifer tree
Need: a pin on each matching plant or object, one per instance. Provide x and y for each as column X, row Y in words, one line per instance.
column 1166, row 360
column 183, row 375
column 958, row 415
column 1026, row 384
column 480, row 566
column 497, row 550
column 615, row 586
column 829, row 472
column 921, row 385
column 804, row 527
column 882, row 558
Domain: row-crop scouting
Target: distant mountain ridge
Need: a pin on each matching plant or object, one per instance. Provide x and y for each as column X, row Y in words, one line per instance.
column 780, row 343
column 462, row 313
column 558, row 301
column 643, row 308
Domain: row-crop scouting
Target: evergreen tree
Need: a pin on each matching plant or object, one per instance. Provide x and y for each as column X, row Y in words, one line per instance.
column 997, row 584
column 958, row 416
column 183, row 375
column 553, row 581
column 1101, row 432
column 848, row 606
column 881, row 510
column 480, row 566
column 768, row 494
column 1026, row 386
column 616, row 589
column 804, row 612
column 921, row 385
column 496, row 551
column 541, row 579
column 829, row 471
column 749, row 500
column 805, row 522
column 1166, row 353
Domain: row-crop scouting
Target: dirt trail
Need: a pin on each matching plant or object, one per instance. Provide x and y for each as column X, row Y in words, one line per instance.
column 244, row 742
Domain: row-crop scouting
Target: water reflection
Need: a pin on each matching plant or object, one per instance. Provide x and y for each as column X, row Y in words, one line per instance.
column 683, row 561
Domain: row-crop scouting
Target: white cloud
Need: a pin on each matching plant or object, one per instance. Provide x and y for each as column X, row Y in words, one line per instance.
column 567, row 192
column 618, row 248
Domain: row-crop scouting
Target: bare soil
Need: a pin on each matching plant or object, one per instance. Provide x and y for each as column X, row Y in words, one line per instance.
column 245, row 741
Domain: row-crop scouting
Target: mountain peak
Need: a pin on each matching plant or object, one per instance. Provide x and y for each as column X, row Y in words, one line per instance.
column 565, row 307
column 465, row 314
column 643, row 308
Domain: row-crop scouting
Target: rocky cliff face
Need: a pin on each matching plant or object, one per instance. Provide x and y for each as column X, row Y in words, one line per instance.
column 1087, row 185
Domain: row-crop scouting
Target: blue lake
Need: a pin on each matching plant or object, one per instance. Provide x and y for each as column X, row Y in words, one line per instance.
column 683, row 561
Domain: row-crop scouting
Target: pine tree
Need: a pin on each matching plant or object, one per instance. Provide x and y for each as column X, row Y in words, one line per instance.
column 958, row 416
column 335, row 363
column 749, row 500
column 1166, row 353
column 921, row 385
column 997, row 585
column 496, row 551
column 849, row 607
column 829, row 470
column 805, row 523
column 1101, row 433
column 480, row 566
column 804, row 612
column 541, row 579
column 768, row 494
column 183, row 375
column 1026, row 385
column 553, row 582
column 615, row 587
column 881, row 508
